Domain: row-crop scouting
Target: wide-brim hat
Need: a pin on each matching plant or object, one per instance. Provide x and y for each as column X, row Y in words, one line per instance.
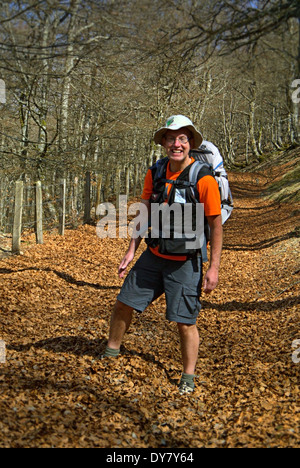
column 175, row 122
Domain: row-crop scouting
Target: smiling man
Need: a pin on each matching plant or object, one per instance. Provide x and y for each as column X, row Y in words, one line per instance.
column 178, row 141
column 167, row 266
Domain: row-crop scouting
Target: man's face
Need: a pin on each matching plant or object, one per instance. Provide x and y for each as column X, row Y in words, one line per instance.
column 177, row 144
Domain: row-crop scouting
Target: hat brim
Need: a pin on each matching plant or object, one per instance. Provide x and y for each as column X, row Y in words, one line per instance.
column 158, row 136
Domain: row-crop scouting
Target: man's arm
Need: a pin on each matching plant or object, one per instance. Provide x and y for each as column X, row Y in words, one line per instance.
column 133, row 246
column 216, row 241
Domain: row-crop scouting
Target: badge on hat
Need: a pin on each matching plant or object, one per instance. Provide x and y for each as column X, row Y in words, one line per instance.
column 170, row 121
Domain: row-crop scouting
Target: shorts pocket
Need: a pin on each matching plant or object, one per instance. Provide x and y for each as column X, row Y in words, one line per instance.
column 189, row 304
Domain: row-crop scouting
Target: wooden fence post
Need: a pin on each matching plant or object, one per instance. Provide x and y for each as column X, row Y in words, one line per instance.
column 38, row 213
column 136, row 178
column 74, row 201
column 62, row 207
column 127, row 181
column 107, row 187
column 117, row 186
column 98, row 194
column 17, row 226
column 87, row 199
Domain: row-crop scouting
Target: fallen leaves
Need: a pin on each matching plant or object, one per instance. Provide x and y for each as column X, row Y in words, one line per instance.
column 55, row 304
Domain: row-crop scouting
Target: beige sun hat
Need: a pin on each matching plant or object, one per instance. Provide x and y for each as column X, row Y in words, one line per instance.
column 175, row 122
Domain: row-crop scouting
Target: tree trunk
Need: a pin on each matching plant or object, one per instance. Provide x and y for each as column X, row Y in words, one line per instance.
column 69, row 64
column 252, row 138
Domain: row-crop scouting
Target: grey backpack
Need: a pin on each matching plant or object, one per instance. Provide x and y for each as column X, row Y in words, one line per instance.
column 209, row 154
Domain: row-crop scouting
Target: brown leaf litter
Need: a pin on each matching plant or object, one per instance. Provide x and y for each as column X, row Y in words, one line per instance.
column 55, row 304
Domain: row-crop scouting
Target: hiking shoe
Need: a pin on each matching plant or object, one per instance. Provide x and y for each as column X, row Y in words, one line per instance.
column 185, row 388
column 110, row 353
column 103, row 357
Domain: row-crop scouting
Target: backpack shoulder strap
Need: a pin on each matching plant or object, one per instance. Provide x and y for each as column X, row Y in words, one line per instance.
column 198, row 170
column 159, row 168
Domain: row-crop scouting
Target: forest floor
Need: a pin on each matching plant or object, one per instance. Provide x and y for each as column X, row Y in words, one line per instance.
column 55, row 304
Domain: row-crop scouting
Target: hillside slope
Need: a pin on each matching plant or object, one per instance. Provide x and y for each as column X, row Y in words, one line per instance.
column 55, row 303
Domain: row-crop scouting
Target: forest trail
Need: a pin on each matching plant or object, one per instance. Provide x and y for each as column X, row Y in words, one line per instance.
column 55, row 303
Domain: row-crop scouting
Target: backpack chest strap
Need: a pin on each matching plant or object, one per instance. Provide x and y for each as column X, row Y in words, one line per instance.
column 178, row 182
column 182, row 184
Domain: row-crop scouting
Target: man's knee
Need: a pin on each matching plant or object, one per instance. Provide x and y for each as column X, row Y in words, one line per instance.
column 120, row 308
column 187, row 329
column 122, row 313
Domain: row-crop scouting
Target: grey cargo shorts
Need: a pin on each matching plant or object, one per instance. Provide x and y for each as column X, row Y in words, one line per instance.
column 152, row 276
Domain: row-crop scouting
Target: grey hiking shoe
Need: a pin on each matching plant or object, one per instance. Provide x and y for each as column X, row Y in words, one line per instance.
column 110, row 353
column 185, row 388
column 104, row 356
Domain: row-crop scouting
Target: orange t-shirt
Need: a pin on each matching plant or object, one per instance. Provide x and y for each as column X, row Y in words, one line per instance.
column 209, row 195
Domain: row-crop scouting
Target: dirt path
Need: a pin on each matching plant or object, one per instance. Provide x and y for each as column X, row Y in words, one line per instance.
column 55, row 302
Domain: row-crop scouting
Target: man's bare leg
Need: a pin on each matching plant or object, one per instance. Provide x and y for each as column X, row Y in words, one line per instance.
column 121, row 318
column 189, row 338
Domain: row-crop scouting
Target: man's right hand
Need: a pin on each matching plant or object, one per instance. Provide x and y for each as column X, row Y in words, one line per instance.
column 134, row 243
column 124, row 263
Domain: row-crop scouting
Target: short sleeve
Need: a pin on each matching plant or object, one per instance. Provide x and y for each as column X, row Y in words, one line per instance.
column 209, row 195
column 148, row 186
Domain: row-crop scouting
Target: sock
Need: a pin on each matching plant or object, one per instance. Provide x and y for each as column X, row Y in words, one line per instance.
column 189, row 379
column 109, row 352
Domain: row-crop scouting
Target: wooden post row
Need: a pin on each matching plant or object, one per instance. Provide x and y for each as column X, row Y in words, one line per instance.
column 18, row 210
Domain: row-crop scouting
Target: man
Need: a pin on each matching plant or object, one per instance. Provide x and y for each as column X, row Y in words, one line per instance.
column 178, row 276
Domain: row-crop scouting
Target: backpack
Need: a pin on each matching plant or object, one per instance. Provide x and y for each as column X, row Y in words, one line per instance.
column 208, row 161
column 209, row 154
column 183, row 192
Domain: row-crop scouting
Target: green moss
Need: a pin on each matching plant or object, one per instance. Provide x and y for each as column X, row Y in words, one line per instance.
column 287, row 188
